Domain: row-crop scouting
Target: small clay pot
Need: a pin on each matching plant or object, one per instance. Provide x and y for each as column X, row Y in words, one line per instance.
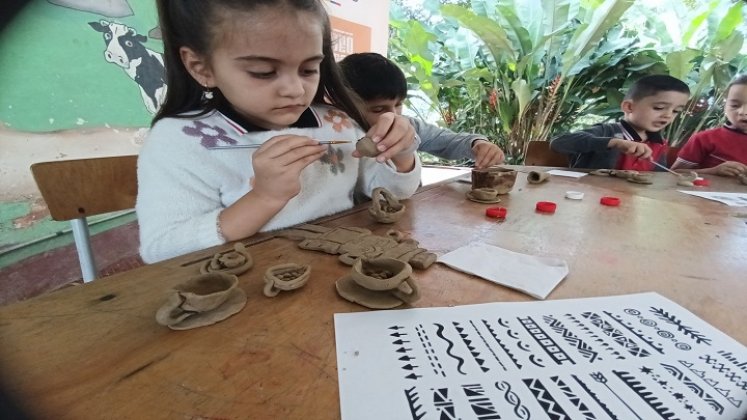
column 500, row 179
column 289, row 276
column 537, row 177
column 237, row 261
column 484, row 193
column 385, row 208
column 366, row 147
column 386, row 274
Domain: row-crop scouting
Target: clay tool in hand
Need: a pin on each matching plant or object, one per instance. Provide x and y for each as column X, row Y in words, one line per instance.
column 256, row 146
column 657, row 164
column 719, row 158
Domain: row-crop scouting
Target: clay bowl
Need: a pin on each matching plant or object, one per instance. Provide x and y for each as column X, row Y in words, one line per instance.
column 380, row 273
column 206, row 292
column 500, row 179
column 366, row 147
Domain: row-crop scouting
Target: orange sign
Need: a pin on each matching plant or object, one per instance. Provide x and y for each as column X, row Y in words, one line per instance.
column 349, row 37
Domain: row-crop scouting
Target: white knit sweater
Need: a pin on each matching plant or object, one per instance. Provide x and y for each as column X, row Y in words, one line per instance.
column 183, row 185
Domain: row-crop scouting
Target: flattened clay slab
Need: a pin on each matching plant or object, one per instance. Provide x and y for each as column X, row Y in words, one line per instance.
column 352, row 292
column 237, row 261
column 233, row 305
column 471, row 197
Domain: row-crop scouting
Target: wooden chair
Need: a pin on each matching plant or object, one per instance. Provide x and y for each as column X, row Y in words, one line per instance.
column 76, row 189
column 539, row 154
column 672, row 155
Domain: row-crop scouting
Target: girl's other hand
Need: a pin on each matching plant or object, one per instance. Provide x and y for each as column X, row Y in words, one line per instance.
column 278, row 165
column 731, row 168
column 395, row 139
column 487, row 154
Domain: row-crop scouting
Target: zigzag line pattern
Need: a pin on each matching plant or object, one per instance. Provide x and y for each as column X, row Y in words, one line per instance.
column 412, row 402
column 700, row 392
column 503, row 346
column 595, row 398
column 596, row 338
column 573, row 398
column 487, row 345
column 675, row 393
column 481, row 405
column 425, row 341
column 684, row 329
column 722, row 368
column 572, row 339
column 521, row 411
column 460, row 361
column 544, row 340
column 712, row 383
column 645, row 395
column 616, row 335
column 545, row 399
column 472, row 349
column 444, row 405
column 639, row 333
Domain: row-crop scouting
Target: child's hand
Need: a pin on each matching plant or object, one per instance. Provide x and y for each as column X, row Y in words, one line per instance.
column 278, row 165
column 731, row 168
column 395, row 138
column 487, row 154
column 628, row 147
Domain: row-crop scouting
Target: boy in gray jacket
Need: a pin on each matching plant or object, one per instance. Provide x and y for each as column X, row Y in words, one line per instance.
column 382, row 86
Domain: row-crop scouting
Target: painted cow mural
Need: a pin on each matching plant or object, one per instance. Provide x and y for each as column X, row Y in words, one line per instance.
column 124, row 47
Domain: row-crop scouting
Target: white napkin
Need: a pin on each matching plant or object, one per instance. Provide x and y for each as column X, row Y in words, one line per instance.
column 570, row 174
column 535, row 276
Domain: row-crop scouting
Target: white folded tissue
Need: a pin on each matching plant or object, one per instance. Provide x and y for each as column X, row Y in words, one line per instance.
column 535, row 276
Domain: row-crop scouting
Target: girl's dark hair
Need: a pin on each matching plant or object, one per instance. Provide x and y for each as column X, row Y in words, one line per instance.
column 187, row 23
column 740, row 79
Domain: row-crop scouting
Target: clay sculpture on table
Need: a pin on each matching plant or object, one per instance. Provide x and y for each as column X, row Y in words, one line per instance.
column 484, row 195
column 630, row 176
column 289, row 276
column 380, row 283
column 537, row 177
column 202, row 300
column 501, row 179
column 352, row 243
column 236, row 261
column 366, row 147
column 385, row 208
column 688, row 179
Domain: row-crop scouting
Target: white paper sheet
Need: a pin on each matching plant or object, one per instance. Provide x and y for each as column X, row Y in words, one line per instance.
column 625, row 357
column 730, row 199
column 571, row 174
column 535, row 276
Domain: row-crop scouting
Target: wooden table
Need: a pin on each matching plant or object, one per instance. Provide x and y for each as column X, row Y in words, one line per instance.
column 95, row 351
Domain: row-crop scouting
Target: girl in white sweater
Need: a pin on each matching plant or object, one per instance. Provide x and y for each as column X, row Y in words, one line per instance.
column 255, row 72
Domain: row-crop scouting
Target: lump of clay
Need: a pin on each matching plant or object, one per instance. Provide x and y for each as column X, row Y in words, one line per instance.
column 380, row 283
column 385, row 208
column 366, row 147
column 640, row 178
column 236, row 261
column 537, row 177
column 686, row 180
column 483, row 195
column 285, row 277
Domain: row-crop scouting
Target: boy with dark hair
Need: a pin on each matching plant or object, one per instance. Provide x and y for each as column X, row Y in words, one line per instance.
column 382, row 86
column 634, row 142
column 721, row 150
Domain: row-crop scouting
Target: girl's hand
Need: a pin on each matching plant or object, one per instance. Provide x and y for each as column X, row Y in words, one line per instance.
column 628, row 147
column 487, row 154
column 278, row 165
column 395, row 139
column 731, row 168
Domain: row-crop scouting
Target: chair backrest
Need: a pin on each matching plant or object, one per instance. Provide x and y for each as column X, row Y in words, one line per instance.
column 672, row 155
column 85, row 187
column 539, row 154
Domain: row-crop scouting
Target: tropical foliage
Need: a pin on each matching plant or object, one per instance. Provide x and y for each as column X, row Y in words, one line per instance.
column 520, row 70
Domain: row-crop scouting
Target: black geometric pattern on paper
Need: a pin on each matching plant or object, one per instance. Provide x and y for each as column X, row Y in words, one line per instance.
column 503, row 346
column 638, row 333
column 440, row 333
column 472, row 349
column 481, row 405
column 720, row 367
column 430, row 353
column 545, row 399
column 487, row 345
column 536, row 360
column 596, row 338
column 724, row 392
column 544, row 340
column 694, row 387
column 599, row 377
column 412, row 402
column 401, row 344
column 742, row 365
column 680, row 397
column 573, row 398
column 444, row 405
column 647, row 396
column 681, row 345
column 595, row 398
column 688, row 331
column 572, row 339
column 520, row 410
column 616, row 335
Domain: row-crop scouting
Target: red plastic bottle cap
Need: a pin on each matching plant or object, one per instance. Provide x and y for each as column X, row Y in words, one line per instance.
column 546, row 206
column 610, row 201
column 496, row 212
column 701, row 182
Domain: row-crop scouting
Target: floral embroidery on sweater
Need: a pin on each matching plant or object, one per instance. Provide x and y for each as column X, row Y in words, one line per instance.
column 333, row 158
column 209, row 135
column 339, row 120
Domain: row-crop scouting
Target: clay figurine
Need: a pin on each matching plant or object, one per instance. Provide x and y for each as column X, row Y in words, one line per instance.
column 630, row 176
column 687, row 180
column 289, row 276
column 237, row 261
column 537, row 177
column 385, row 208
column 381, row 283
column 352, row 243
column 501, row 179
column 366, row 147
column 202, row 300
column 484, row 195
